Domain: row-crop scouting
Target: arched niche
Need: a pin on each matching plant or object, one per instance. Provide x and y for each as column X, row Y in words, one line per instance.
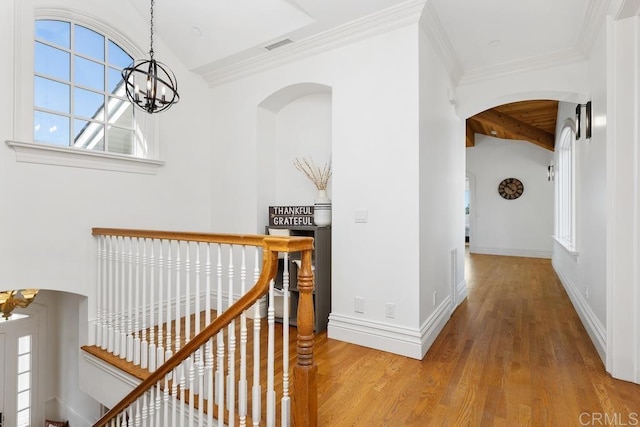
column 294, row 121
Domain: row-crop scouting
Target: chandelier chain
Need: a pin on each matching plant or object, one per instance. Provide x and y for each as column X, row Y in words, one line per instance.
column 151, row 49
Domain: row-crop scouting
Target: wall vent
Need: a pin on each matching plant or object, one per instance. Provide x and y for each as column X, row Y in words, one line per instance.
column 278, row 44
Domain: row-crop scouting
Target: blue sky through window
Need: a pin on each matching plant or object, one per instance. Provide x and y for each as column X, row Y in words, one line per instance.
column 80, row 82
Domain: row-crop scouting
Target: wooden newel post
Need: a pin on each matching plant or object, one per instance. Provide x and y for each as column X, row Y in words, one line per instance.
column 305, row 393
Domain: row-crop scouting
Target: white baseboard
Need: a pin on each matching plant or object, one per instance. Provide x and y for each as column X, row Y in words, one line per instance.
column 461, row 292
column 400, row 340
column 590, row 321
column 528, row 253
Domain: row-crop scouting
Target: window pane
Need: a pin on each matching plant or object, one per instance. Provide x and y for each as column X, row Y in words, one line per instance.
column 88, row 104
column 51, row 95
column 23, row 400
column 89, row 43
column 24, row 381
column 24, row 344
column 89, row 135
column 89, row 73
column 120, row 112
column 51, row 128
column 120, row 140
column 24, row 418
column 51, row 61
column 118, row 57
column 24, row 363
column 116, row 84
column 54, row 32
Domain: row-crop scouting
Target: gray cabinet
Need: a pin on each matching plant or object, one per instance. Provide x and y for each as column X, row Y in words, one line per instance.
column 322, row 274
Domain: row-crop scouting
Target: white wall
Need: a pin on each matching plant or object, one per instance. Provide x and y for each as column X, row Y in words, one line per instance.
column 303, row 130
column 623, row 195
column 442, row 186
column 51, row 209
column 48, row 211
column 519, row 227
column 374, row 87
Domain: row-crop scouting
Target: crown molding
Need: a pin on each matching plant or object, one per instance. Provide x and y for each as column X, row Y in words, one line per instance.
column 593, row 20
column 398, row 16
column 432, row 25
column 555, row 59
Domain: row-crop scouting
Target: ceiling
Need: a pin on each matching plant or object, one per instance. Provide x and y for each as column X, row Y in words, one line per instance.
column 480, row 37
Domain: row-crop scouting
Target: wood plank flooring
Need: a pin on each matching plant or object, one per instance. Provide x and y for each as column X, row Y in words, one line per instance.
column 513, row 354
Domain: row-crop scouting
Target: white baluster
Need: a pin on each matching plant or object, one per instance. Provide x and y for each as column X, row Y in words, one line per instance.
column 231, row 386
column 165, row 401
column 169, row 345
column 144, row 344
column 271, row 394
column 209, row 345
column 242, row 382
column 200, row 385
column 286, row 400
column 152, row 407
column 174, row 397
column 136, row 340
column 197, row 294
column 256, row 407
column 138, row 414
column 145, row 410
column 210, row 381
column 192, row 378
column 188, row 296
column 160, row 352
column 158, row 405
column 99, row 301
column 220, row 342
column 123, row 300
column 152, row 308
column 116, row 298
column 130, row 286
column 182, row 394
column 110, row 320
column 178, row 297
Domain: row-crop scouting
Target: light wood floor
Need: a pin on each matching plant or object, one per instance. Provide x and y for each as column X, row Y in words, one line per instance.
column 513, row 354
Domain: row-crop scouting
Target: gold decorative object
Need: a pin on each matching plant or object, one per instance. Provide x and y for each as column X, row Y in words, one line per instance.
column 19, row 298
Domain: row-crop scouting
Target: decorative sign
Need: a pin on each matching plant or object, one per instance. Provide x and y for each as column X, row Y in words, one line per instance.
column 299, row 216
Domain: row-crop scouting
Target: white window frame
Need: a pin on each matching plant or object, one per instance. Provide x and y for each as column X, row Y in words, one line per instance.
column 565, row 189
column 22, row 140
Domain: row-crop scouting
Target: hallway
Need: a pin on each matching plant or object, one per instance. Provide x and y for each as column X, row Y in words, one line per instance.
column 513, row 354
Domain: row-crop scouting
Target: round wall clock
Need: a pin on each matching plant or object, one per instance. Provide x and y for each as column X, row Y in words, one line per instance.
column 510, row 188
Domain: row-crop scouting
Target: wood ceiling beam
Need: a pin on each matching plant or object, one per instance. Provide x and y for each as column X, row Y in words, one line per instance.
column 506, row 123
column 471, row 135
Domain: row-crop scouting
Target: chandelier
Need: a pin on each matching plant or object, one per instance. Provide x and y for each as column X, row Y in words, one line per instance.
column 150, row 84
column 15, row 299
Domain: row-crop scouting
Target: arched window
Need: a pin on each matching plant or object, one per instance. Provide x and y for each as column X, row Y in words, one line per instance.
column 79, row 96
column 565, row 189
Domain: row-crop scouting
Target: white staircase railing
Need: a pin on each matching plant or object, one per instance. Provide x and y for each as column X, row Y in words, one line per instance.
column 180, row 306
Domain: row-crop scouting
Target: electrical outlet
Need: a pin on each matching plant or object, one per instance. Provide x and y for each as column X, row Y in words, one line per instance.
column 435, row 297
column 359, row 305
column 586, row 291
column 391, row 310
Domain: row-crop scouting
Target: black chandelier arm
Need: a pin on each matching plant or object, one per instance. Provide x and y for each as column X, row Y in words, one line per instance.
column 149, row 84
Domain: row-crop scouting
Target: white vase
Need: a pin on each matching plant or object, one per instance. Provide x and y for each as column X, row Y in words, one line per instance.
column 322, row 209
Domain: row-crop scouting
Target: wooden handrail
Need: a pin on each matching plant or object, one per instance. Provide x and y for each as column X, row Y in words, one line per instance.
column 271, row 246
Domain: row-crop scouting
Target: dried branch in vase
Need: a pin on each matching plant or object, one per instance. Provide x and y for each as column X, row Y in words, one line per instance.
column 319, row 176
